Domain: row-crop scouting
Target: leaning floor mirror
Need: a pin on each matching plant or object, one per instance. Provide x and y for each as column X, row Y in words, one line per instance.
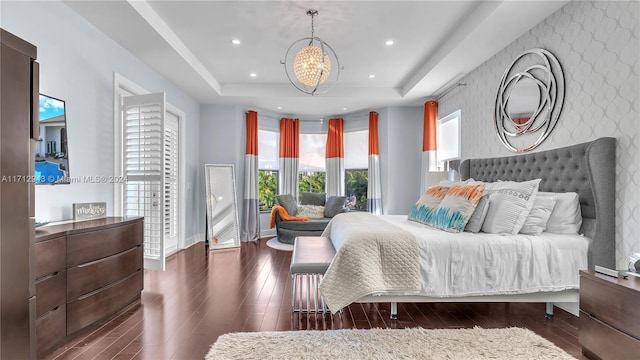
column 222, row 214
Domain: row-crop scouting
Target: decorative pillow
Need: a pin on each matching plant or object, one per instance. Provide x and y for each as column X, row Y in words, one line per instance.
column 537, row 219
column 453, row 213
column 422, row 210
column 334, row 206
column 566, row 217
column 288, row 203
column 311, row 211
column 511, row 203
column 477, row 218
column 311, row 198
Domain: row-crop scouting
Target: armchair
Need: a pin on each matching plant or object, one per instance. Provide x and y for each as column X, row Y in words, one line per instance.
column 287, row 231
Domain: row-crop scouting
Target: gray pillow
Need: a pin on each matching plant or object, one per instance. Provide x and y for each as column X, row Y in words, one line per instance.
column 334, row 205
column 288, row 203
column 311, row 198
column 477, row 218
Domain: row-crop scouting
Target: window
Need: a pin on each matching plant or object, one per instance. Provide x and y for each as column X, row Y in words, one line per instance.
column 267, row 188
column 311, row 181
column 356, row 164
column 312, row 166
column 448, row 129
column 268, row 164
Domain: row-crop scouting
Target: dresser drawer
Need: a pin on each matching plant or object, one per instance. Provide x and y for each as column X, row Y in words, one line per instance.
column 50, row 256
column 88, row 277
column 95, row 245
column 605, row 341
column 95, row 306
column 51, row 291
column 50, row 330
column 612, row 304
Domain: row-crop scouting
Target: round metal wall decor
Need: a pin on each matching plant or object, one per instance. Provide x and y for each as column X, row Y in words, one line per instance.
column 529, row 100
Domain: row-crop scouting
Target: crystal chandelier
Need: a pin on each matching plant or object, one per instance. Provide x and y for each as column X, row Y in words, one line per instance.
column 312, row 63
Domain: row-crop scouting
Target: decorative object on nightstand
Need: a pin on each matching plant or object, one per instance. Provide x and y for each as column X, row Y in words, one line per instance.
column 634, row 262
column 609, row 316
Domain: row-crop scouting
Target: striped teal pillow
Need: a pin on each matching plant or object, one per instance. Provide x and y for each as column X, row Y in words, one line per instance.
column 455, row 210
column 423, row 209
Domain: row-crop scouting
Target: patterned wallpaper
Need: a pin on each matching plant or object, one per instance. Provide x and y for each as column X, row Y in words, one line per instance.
column 598, row 45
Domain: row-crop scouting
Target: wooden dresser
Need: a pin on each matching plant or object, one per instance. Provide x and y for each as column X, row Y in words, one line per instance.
column 86, row 271
column 609, row 316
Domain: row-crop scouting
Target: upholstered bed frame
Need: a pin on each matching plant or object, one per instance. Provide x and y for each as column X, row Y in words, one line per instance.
column 588, row 169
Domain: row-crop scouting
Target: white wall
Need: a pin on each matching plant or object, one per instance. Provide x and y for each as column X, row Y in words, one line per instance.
column 400, row 137
column 77, row 64
column 222, row 141
column 597, row 44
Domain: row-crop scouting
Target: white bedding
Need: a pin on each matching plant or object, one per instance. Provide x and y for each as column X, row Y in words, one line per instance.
column 468, row 264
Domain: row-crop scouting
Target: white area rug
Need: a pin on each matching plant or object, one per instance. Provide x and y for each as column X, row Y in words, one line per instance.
column 477, row 343
column 275, row 244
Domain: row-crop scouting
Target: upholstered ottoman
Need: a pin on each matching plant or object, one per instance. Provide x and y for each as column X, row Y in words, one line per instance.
column 310, row 260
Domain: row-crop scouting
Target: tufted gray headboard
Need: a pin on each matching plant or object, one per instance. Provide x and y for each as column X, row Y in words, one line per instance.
column 587, row 168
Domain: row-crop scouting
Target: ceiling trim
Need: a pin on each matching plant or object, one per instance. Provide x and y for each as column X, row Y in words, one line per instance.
column 157, row 23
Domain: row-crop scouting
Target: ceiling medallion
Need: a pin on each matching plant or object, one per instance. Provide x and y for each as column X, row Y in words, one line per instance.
column 310, row 71
column 529, row 100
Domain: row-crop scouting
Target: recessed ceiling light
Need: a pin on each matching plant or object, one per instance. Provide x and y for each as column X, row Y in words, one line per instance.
column 372, row 76
column 235, row 42
column 279, row 107
column 389, row 42
column 344, row 108
column 253, row 74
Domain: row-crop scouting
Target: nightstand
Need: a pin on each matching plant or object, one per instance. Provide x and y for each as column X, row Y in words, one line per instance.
column 609, row 316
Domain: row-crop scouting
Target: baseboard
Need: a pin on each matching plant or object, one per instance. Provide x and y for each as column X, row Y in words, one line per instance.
column 267, row 233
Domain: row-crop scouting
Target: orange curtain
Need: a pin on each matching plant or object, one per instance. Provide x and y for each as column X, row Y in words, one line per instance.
column 335, row 139
column 252, row 133
column 250, row 226
column 429, row 130
column 289, row 156
column 373, row 133
column 289, row 138
column 334, row 158
column 429, row 146
column 374, row 186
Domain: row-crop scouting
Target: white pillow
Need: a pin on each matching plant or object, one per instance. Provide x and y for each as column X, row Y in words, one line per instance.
column 510, row 205
column 537, row 219
column 310, row 211
column 479, row 214
column 566, row 217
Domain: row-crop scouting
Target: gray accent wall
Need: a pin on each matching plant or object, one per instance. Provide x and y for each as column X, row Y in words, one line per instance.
column 77, row 64
column 597, row 44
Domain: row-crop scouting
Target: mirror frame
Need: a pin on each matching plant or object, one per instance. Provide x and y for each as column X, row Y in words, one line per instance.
column 220, row 184
column 542, row 67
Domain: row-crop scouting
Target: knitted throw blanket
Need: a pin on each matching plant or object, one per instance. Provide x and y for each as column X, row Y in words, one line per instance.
column 284, row 215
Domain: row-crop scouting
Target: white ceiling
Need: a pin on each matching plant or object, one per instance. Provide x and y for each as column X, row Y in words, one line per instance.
column 436, row 43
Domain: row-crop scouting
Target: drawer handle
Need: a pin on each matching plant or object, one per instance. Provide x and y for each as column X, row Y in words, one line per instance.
column 90, row 294
column 108, row 257
column 47, row 277
column 49, row 312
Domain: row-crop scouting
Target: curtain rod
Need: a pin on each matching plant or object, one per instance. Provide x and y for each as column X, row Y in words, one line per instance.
column 449, row 90
column 320, row 120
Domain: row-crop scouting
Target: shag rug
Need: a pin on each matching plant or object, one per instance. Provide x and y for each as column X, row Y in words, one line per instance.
column 476, row 343
column 275, row 244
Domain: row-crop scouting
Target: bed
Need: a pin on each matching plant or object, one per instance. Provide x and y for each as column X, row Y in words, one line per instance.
column 587, row 169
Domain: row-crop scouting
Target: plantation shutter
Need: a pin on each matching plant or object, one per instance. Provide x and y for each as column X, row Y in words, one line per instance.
column 170, row 179
column 145, row 169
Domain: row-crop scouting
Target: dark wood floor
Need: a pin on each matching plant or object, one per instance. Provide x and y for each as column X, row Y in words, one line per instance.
column 203, row 295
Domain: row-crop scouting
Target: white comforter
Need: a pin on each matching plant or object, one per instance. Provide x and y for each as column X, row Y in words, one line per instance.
column 467, row 264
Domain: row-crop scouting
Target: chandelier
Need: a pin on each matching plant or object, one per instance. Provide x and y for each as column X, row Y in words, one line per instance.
column 314, row 59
